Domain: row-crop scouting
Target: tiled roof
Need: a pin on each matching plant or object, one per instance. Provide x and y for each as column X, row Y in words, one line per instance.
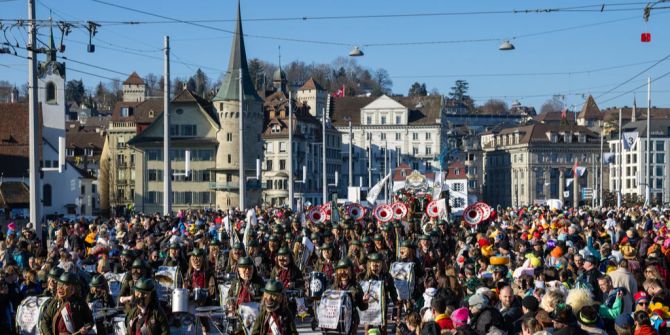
column 311, row 84
column 590, row 110
column 14, row 194
column 537, row 133
column 456, row 167
column 612, row 114
column 424, row 110
column 140, row 110
column 82, row 137
column 554, row 117
column 134, row 79
column 403, row 170
column 186, row 96
column 14, row 139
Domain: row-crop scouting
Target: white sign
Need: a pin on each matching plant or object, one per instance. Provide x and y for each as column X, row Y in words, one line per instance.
column 335, row 306
column 403, row 275
column 629, row 139
column 248, row 314
column 27, row 315
column 374, row 314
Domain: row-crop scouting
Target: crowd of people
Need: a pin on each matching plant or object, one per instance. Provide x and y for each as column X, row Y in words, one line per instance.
column 530, row 270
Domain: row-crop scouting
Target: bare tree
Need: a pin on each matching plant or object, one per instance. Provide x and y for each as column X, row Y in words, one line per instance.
column 555, row 104
column 493, row 107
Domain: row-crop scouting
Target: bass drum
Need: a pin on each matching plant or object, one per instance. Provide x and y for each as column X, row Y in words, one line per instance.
column 318, row 283
column 28, row 314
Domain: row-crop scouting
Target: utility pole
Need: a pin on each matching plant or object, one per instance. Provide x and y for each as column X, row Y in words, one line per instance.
column 600, row 179
column 324, row 166
column 291, row 194
column 620, row 178
column 647, row 195
column 33, row 124
column 386, row 167
column 167, row 172
column 369, row 161
column 242, row 181
column 351, row 150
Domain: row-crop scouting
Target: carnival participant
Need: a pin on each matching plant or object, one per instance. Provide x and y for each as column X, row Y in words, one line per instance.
column 146, row 317
column 326, row 264
column 52, row 282
column 286, row 272
column 274, row 317
column 377, row 272
column 125, row 261
column 99, row 293
column 346, row 281
column 199, row 279
column 247, row 287
column 174, row 258
column 66, row 313
column 138, row 270
column 236, row 253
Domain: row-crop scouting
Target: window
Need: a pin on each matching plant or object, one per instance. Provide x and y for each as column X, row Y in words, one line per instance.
column 383, row 120
column 229, row 178
column 398, row 119
column 457, row 187
column 70, row 152
column 429, row 166
column 457, row 172
column 154, row 155
column 229, row 137
column 188, row 130
column 660, row 158
column 659, row 183
column 415, row 136
column 282, row 146
column 428, row 151
column 121, row 194
column 179, row 111
column 472, row 184
column 458, row 202
column 220, row 106
column 205, row 155
column 268, row 165
column 270, row 147
column 120, row 159
column 230, row 159
column 282, row 164
column 51, row 93
column 268, row 184
column 659, row 171
column 427, row 136
column 46, row 195
column 415, row 151
column 126, row 111
column 397, row 136
column 382, row 136
column 368, row 136
column 88, row 152
column 660, row 146
column 368, row 120
column 155, row 175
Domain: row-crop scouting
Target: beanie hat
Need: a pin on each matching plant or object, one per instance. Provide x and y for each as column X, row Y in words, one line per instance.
column 557, row 252
column 460, row 317
column 531, row 303
column 640, row 296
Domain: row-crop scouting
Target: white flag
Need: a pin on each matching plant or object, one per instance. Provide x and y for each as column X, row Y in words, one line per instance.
column 581, row 170
column 375, row 190
column 608, row 158
column 629, row 139
column 568, row 181
column 437, row 185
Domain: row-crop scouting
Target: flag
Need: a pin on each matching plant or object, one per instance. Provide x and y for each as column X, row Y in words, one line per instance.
column 375, row 190
column 568, row 181
column 339, row 92
column 564, row 113
column 609, row 157
column 581, row 170
column 629, row 139
column 437, row 185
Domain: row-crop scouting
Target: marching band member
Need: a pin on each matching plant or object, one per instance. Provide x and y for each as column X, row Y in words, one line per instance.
column 67, row 313
column 376, row 272
column 325, row 263
column 137, row 271
column 174, row 258
column 285, row 271
column 346, row 281
column 146, row 317
column 275, row 318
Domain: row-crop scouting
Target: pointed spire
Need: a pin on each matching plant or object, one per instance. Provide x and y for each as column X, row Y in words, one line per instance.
column 633, row 117
column 229, row 89
column 51, row 54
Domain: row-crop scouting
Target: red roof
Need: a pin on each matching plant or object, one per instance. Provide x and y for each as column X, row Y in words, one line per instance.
column 311, row 84
column 134, row 79
column 456, row 170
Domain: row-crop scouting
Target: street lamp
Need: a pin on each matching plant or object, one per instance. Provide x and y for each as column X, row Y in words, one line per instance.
column 506, row 46
column 356, row 52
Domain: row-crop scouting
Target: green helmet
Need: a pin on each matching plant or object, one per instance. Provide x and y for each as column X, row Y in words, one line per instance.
column 68, row 278
column 253, row 244
column 344, row 264
column 327, row 246
column 144, row 285
column 274, row 287
column 198, row 252
column 407, row 244
column 355, row 242
column 127, row 253
column 98, row 281
column 378, row 237
column 55, row 273
column 238, row 246
column 214, row 242
column 245, row 262
column 375, row 257
column 175, row 245
column 283, row 251
column 274, row 238
column 138, row 263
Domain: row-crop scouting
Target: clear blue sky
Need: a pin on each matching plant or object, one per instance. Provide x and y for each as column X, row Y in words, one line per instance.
column 532, row 73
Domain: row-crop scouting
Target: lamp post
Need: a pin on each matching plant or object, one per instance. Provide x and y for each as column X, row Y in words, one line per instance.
column 351, row 163
column 324, row 166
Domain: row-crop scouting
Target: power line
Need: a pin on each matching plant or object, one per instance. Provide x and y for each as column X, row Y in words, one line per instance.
column 637, row 88
column 636, row 75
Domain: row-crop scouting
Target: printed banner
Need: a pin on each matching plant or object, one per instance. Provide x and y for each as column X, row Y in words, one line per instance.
column 166, row 277
column 374, row 314
column 335, row 306
column 609, row 158
column 28, row 313
column 403, row 275
column 114, row 281
column 248, row 314
column 629, row 139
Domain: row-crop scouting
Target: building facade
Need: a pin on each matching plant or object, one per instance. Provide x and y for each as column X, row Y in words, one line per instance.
column 530, row 164
column 628, row 171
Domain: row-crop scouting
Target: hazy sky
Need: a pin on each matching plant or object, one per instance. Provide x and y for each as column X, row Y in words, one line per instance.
column 570, row 48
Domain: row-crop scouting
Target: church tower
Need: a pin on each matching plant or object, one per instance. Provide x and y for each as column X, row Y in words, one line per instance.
column 51, row 95
column 227, row 105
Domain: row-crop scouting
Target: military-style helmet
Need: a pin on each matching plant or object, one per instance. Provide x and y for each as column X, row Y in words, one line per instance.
column 274, row 238
column 245, row 262
column 175, row 245
column 138, row 263
column 68, row 278
column 327, row 246
column 55, row 273
column 98, row 281
column 424, row 237
column 375, row 257
column 366, row 239
column 214, row 242
column 238, row 246
column 344, row 264
column 314, row 236
column 378, row 237
column 355, row 242
column 283, row 251
column 144, row 285
column 274, row 287
column 253, row 244
column 407, row 244
column 198, row 252
column 127, row 253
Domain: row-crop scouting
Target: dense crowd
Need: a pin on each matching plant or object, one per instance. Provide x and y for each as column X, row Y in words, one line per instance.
column 530, row 270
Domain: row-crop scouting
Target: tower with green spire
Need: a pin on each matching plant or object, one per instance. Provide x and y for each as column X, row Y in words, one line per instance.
column 51, row 94
column 227, row 105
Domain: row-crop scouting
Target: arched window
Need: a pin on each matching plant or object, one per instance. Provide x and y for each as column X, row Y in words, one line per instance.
column 51, row 93
column 46, row 195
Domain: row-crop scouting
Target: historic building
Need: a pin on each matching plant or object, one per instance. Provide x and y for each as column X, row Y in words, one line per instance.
column 529, row 164
column 387, row 131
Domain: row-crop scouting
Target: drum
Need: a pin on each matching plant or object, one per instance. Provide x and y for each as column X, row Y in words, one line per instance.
column 248, row 312
column 120, row 325
column 317, row 284
column 335, row 312
column 180, row 300
column 27, row 314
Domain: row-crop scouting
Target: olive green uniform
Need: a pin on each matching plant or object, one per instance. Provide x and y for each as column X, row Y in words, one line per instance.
column 79, row 312
column 155, row 321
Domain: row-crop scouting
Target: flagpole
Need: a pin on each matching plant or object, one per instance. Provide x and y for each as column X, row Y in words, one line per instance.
column 620, row 179
column 647, row 196
column 600, row 188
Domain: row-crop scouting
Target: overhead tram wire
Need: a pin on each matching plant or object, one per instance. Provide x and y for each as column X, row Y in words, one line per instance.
column 635, row 76
column 636, row 88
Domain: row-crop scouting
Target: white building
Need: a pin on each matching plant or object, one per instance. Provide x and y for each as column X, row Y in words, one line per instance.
column 400, row 129
column 633, row 161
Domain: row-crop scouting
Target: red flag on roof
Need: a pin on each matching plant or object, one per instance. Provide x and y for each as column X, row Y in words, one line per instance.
column 339, row 92
column 564, row 113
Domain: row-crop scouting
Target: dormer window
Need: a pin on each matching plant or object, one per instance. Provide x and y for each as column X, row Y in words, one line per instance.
column 126, row 111
column 567, row 137
column 553, row 137
column 151, row 113
column 88, row 152
column 69, row 152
